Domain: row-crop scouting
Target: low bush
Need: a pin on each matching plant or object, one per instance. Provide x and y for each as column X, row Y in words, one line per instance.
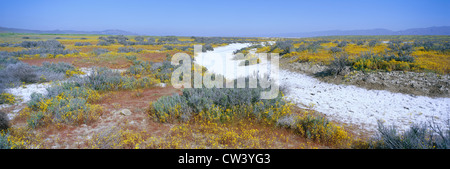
column 339, row 64
column 218, row 40
column 313, row 48
column 49, row 44
column 235, row 104
column 399, row 58
column 335, row 50
column 246, row 49
column 282, row 47
column 106, row 79
column 4, row 122
column 139, row 38
column 373, row 43
column 151, row 40
column 399, row 48
column 416, row 137
column 316, row 127
column 140, row 68
column 36, row 99
column 321, row 130
column 172, row 107
column 42, row 48
column 342, row 44
column 131, row 57
column 63, row 108
column 370, row 61
column 103, row 43
column 42, row 52
column 102, row 79
column 207, row 47
column 6, row 60
column 60, row 67
column 6, row 44
column 83, row 44
column 100, row 51
column 128, row 50
column 6, row 98
column 4, row 142
column 360, row 42
column 18, row 73
column 208, row 101
column 184, row 48
column 164, row 72
column 71, row 89
column 64, row 103
column 168, row 39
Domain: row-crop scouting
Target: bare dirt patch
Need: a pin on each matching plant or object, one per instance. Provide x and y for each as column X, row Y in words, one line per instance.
column 135, row 99
column 152, row 57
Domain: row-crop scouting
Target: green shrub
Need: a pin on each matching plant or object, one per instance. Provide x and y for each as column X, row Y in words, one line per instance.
column 107, row 79
column 60, row 67
column 368, row 61
column 4, row 142
column 243, row 102
column 171, row 107
column 64, row 103
column 139, row 68
column 131, row 57
column 399, row 48
column 36, row 98
column 339, row 64
column 399, row 58
column 63, row 108
column 35, row 119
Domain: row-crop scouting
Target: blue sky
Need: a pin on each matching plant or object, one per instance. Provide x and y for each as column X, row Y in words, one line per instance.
column 223, row 18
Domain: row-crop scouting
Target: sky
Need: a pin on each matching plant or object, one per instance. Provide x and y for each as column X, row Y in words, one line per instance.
column 223, row 18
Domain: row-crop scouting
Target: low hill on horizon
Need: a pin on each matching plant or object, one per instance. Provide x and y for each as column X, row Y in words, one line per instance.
column 441, row 30
column 57, row 31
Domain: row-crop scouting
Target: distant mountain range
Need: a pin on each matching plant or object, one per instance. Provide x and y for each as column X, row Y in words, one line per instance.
column 442, row 30
column 105, row 32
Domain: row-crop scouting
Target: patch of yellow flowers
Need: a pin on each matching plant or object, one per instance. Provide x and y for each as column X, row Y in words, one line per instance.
column 7, row 98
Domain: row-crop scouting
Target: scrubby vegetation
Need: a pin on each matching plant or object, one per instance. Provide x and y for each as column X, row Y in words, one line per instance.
column 419, row 136
column 82, row 44
column 18, row 73
column 230, row 105
column 39, row 48
column 394, row 54
column 72, row 106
